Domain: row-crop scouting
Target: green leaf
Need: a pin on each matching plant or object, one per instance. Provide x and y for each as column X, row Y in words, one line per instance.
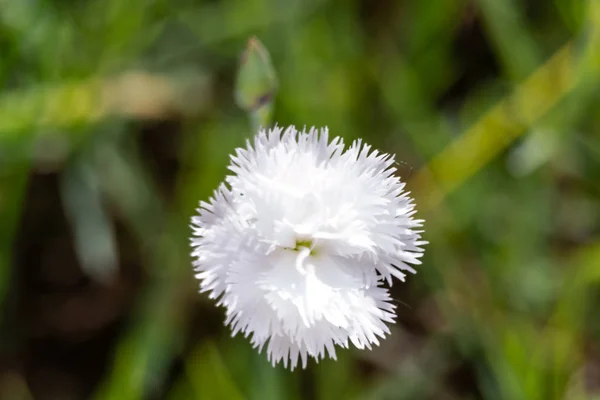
column 94, row 236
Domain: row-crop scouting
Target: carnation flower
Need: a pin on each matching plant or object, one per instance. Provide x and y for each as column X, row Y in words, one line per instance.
column 299, row 241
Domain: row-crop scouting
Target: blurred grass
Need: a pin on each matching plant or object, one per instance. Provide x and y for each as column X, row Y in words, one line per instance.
column 506, row 293
column 12, row 186
column 498, row 128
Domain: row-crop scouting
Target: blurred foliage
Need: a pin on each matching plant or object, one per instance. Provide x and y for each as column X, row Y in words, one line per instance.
column 117, row 117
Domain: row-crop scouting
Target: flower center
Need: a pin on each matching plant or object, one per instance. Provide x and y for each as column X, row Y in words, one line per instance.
column 304, row 243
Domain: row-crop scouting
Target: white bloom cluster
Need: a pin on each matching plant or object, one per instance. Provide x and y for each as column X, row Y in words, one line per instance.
column 298, row 242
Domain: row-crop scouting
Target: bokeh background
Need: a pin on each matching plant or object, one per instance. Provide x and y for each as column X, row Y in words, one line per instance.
column 117, row 117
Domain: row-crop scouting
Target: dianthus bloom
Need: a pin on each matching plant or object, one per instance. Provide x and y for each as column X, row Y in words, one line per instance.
column 299, row 240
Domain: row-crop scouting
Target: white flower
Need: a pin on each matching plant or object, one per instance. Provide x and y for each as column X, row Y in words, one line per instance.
column 298, row 242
